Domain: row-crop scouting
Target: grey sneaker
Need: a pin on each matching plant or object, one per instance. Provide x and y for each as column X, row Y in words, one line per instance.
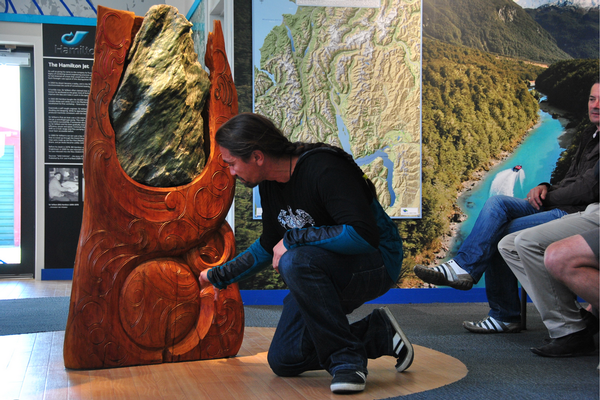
column 441, row 278
column 348, row 381
column 403, row 349
column 491, row 325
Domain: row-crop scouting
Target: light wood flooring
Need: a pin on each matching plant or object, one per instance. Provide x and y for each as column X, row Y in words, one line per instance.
column 31, row 367
column 15, row 288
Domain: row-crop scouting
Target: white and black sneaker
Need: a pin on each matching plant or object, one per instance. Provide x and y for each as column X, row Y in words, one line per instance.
column 403, row 349
column 445, row 275
column 348, row 381
column 492, row 325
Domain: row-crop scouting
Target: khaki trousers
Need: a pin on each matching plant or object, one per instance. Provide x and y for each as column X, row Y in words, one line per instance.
column 524, row 250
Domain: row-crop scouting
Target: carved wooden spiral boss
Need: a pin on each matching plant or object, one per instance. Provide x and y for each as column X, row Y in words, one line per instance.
column 135, row 297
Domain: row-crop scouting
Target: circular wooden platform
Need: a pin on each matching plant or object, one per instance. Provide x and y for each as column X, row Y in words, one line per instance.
column 249, row 371
column 34, row 368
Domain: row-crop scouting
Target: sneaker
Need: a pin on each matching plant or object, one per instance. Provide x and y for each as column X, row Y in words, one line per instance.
column 403, row 349
column 444, row 275
column 348, row 381
column 491, row 325
column 574, row 345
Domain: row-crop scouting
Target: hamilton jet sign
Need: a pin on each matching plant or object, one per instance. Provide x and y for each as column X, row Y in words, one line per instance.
column 69, row 41
column 71, row 45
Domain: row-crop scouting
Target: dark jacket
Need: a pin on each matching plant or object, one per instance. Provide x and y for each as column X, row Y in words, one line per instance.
column 579, row 187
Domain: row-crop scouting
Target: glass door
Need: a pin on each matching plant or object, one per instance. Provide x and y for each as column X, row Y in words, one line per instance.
column 17, row 161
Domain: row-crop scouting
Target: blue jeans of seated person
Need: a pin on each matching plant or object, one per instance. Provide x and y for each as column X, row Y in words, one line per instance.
column 479, row 253
column 313, row 332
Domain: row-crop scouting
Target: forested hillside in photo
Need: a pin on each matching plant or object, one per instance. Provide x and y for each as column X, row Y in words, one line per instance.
column 495, row 26
column 575, row 29
column 475, row 106
column 567, row 84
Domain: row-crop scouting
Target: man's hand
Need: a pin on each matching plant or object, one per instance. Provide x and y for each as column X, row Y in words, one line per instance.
column 204, row 282
column 536, row 196
column 278, row 251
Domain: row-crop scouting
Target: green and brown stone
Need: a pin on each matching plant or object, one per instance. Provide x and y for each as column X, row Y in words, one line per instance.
column 156, row 112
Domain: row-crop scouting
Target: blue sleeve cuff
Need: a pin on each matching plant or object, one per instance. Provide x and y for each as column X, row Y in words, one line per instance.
column 342, row 239
column 251, row 261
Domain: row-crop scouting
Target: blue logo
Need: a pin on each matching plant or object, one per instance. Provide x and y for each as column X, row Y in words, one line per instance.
column 71, row 39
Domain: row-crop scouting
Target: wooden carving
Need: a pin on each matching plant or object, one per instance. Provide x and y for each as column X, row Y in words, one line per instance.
column 135, row 297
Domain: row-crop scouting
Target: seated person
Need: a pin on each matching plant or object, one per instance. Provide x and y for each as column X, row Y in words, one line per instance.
column 59, row 192
column 571, row 330
column 502, row 215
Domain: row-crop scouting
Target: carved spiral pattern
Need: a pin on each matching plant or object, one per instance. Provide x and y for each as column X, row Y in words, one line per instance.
column 160, row 303
column 224, row 91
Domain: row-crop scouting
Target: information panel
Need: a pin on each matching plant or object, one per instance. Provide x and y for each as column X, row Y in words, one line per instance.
column 67, row 85
column 68, row 59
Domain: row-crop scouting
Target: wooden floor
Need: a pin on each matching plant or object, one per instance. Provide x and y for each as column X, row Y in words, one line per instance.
column 31, row 367
column 14, row 288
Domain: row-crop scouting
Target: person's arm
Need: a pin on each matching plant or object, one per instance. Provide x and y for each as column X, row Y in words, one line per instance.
column 341, row 239
column 248, row 263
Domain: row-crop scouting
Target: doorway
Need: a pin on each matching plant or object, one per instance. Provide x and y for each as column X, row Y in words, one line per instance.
column 17, row 161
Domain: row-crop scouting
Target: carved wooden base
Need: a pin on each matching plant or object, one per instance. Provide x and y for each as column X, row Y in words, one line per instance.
column 135, row 297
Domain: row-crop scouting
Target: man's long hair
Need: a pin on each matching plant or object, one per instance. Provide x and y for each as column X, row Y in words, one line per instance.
column 247, row 132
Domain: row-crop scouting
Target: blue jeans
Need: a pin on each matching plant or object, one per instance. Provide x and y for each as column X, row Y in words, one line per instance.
column 479, row 253
column 313, row 332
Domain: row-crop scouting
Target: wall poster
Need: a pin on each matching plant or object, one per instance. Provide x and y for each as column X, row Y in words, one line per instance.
column 68, row 59
column 350, row 76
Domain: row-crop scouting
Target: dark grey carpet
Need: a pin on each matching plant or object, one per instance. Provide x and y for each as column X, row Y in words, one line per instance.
column 500, row 366
column 41, row 314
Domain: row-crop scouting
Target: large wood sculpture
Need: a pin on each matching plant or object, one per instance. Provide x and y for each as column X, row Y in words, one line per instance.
column 135, row 296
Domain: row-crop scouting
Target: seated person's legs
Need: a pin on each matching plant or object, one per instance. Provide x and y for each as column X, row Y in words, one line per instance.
column 498, row 216
column 477, row 254
column 524, row 253
column 574, row 262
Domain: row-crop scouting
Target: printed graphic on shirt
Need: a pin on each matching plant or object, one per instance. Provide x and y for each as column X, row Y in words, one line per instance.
column 300, row 219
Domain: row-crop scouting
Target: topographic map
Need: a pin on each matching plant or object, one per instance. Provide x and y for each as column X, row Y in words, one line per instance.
column 351, row 77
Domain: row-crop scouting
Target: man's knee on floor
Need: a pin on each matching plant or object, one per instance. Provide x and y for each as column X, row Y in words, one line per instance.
column 278, row 367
